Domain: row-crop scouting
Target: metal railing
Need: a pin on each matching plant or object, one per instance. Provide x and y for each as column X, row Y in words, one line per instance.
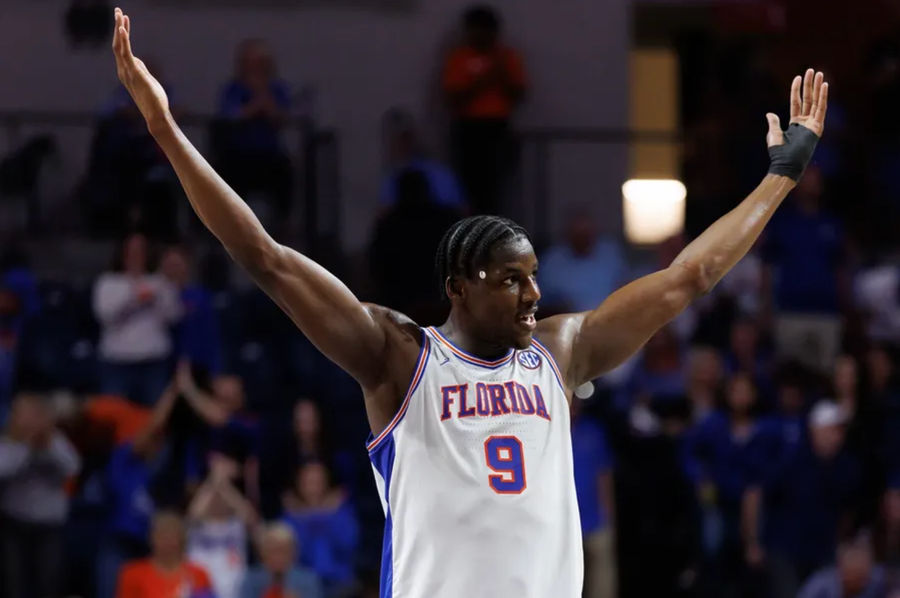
column 314, row 153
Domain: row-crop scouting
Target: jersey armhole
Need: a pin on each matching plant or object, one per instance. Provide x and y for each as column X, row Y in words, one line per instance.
column 373, row 442
column 552, row 361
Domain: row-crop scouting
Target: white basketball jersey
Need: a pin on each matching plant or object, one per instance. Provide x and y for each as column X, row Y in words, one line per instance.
column 475, row 476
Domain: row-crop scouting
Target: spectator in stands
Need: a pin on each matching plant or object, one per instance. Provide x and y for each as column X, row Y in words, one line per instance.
column 788, row 422
column 221, row 523
column 746, row 354
column 255, row 106
column 856, row 573
column 135, row 472
column 35, row 462
column 197, row 337
column 804, row 248
column 312, row 441
column 10, row 316
column 579, row 274
column 234, row 431
column 17, row 276
column 806, row 502
column 325, row 525
column 484, row 80
column 135, row 309
column 278, row 575
column 864, row 429
column 704, row 381
column 596, row 503
column 409, row 234
column 166, row 572
column 877, row 294
column 19, row 300
column 659, row 376
column 407, row 153
column 724, row 456
column 658, row 527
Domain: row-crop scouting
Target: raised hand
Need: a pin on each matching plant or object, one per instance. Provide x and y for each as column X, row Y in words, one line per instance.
column 807, row 110
column 790, row 151
column 144, row 89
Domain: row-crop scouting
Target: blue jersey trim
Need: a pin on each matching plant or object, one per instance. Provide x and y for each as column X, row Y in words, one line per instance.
column 421, row 363
column 383, row 459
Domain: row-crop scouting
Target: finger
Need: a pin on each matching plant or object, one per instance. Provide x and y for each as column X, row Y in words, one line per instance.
column 822, row 105
column 126, row 41
column 775, row 135
column 128, row 24
column 795, row 97
column 817, row 89
column 807, row 92
column 117, row 16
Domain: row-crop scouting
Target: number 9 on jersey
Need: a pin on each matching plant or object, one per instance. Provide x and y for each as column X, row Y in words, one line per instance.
column 505, row 457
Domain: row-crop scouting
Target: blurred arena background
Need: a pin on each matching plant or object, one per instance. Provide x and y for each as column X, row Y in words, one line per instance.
column 751, row 449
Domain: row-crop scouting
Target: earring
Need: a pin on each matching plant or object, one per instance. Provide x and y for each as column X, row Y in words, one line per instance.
column 482, row 275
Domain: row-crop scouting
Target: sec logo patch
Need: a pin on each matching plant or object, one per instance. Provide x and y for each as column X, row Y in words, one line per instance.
column 529, row 359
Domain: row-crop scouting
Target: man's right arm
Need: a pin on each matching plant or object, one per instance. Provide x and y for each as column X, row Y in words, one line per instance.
column 325, row 310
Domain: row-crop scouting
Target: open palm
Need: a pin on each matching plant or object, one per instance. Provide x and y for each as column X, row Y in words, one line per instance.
column 807, row 109
column 143, row 87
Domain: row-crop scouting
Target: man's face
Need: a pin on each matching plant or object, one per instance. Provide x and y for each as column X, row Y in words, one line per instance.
column 134, row 256
column 741, row 395
column 855, row 566
column 502, row 305
column 167, row 537
column 174, row 266
column 278, row 554
column 827, row 441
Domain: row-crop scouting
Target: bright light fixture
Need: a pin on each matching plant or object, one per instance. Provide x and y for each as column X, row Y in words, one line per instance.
column 653, row 209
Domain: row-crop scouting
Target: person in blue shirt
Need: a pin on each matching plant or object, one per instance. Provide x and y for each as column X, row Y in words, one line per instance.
column 579, row 274
column 326, row 527
column 804, row 503
column 197, row 337
column 278, row 574
column 407, row 153
column 659, row 376
column 855, row 574
column 594, row 491
column 726, row 454
column 254, row 107
column 132, row 475
column 804, row 248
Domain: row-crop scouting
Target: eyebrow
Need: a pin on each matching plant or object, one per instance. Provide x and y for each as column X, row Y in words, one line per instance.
column 511, row 270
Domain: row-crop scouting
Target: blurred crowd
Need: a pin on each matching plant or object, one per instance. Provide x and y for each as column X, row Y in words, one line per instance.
column 166, row 431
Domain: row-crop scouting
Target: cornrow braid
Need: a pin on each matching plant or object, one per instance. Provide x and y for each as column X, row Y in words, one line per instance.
column 468, row 243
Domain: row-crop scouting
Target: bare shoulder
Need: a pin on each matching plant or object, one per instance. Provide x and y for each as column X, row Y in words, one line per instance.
column 402, row 345
column 403, row 336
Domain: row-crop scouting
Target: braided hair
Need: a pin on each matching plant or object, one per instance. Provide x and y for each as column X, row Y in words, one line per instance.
column 467, row 245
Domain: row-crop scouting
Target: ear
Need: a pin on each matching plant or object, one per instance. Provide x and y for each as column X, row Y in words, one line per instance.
column 454, row 287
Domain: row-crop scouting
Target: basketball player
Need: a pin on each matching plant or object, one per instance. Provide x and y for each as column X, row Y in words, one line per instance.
column 470, row 420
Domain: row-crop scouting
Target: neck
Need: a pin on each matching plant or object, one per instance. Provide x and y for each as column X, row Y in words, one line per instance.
column 453, row 330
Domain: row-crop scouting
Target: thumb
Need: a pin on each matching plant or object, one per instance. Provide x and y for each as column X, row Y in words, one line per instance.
column 775, row 135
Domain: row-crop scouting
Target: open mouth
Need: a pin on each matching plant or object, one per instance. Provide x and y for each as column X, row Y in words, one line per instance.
column 527, row 320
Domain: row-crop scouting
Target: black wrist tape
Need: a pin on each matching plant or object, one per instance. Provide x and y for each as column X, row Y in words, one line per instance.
column 790, row 159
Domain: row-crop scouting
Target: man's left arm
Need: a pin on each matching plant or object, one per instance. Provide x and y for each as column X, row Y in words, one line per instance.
column 591, row 343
